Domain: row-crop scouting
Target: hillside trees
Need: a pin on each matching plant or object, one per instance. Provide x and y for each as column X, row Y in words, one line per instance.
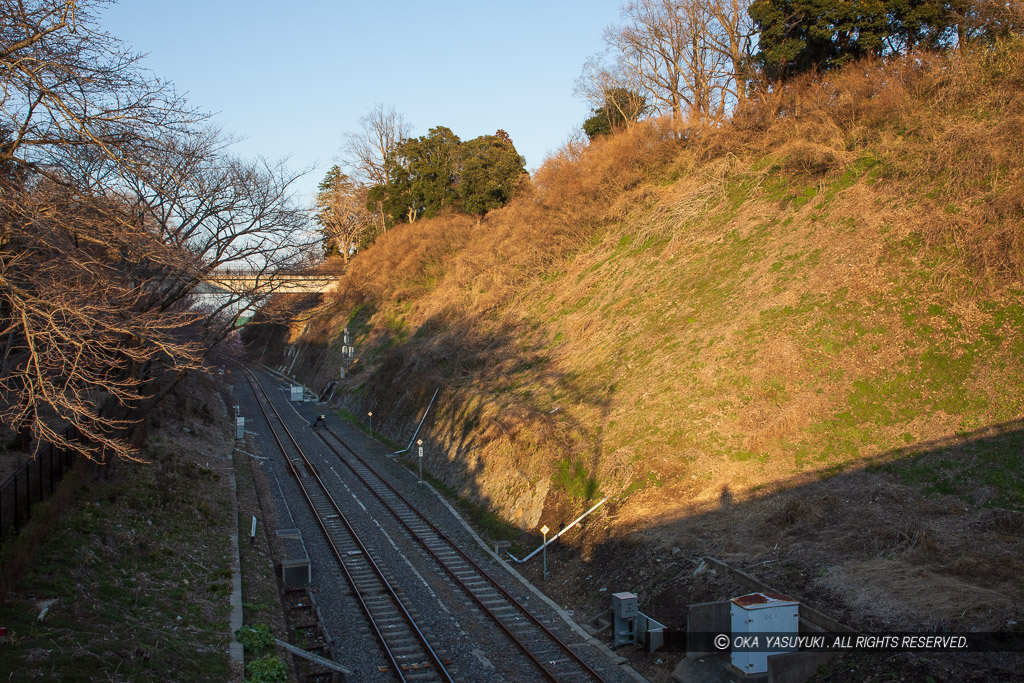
column 491, row 172
column 116, row 200
column 799, row 35
column 438, row 172
column 796, row 36
column 621, row 107
column 342, row 213
column 690, row 57
column 615, row 96
column 428, row 172
column 988, row 21
column 372, row 152
column 694, row 60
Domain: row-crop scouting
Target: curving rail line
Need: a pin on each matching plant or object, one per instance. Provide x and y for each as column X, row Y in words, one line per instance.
column 411, row 656
column 553, row 658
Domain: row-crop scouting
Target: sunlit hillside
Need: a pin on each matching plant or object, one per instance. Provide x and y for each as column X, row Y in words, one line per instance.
column 685, row 322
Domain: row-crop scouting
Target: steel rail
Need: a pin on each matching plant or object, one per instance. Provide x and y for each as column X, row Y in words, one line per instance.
column 458, row 580
column 437, row 665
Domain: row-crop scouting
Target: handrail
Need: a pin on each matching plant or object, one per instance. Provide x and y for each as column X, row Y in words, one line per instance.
column 316, row 659
column 416, row 433
column 555, row 537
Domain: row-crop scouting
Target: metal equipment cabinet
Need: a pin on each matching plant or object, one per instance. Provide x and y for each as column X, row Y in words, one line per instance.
column 762, row 614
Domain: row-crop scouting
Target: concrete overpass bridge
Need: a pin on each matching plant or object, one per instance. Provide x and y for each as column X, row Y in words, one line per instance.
column 246, row 280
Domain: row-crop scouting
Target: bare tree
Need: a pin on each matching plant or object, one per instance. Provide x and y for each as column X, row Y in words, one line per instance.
column 219, row 211
column 115, row 204
column 603, row 86
column 688, row 55
column 342, row 213
column 372, row 152
column 74, row 338
column 732, row 35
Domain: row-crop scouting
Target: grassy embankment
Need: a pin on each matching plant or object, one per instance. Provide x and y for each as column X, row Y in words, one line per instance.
column 138, row 565
column 826, row 283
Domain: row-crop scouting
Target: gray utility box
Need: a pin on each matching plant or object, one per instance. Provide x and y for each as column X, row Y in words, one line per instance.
column 295, row 565
column 297, row 392
column 239, row 427
column 625, row 607
column 762, row 614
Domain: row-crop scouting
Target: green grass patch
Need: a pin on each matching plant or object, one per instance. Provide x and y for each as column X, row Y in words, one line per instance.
column 650, row 480
column 983, row 471
column 574, row 479
column 138, row 568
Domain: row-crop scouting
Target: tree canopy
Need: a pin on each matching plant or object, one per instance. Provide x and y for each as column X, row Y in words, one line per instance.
column 438, row 172
column 491, row 172
column 116, row 201
column 796, row 36
column 621, row 107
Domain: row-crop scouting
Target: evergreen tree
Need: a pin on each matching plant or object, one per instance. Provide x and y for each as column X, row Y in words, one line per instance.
column 491, row 172
column 438, row 172
column 796, row 36
column 424, row 176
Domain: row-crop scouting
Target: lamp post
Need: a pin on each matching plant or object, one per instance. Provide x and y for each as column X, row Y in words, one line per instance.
column 419, row 442
column 544, row 530
column 370, row 415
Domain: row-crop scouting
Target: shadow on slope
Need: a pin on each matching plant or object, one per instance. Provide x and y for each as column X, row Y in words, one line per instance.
column 928, row 537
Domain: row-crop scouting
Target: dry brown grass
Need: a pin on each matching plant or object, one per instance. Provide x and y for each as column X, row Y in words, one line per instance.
column 582, row 320
column 920, row 113
column 894, row 594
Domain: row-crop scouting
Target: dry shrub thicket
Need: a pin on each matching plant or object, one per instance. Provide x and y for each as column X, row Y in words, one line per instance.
column 950, row 123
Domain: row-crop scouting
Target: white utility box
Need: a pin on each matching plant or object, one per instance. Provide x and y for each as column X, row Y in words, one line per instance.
column 762, row 614
column 297, row 392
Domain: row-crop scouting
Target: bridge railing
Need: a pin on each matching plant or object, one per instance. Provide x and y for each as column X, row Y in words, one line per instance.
column 251, row 273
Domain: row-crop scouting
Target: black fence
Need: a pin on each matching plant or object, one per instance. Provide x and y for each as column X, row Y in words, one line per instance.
column 33, row 483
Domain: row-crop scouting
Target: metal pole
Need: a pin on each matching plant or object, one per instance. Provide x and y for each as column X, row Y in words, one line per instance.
column 544, row 530
column 370, row 415
column 420, row 443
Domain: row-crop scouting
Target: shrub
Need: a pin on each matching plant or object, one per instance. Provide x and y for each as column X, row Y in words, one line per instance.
column 267, row 669
column 256, row 639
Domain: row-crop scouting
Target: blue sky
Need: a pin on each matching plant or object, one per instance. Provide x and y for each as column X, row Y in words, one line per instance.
column 291, row 77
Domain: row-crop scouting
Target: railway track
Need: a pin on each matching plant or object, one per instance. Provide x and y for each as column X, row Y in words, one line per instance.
column 551, row 656
column 404, row 644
